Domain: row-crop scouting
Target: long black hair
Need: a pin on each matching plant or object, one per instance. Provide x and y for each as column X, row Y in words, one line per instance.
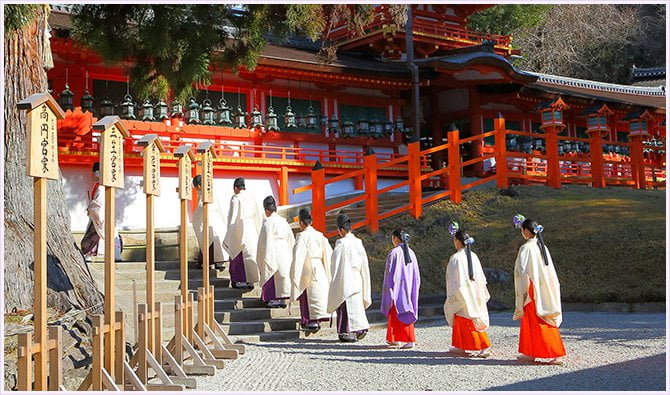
column 536, row 229
column 404, row 237
column 467, row 241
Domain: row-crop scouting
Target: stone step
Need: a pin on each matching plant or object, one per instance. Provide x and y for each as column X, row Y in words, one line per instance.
column 256, row 327
column 269, row 336
column 257, row 314
column 166, row 285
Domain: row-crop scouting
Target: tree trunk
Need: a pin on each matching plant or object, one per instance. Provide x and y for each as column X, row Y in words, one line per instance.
column 69, row 280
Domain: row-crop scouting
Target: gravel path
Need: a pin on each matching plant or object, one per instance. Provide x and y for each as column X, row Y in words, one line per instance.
column 606, row 352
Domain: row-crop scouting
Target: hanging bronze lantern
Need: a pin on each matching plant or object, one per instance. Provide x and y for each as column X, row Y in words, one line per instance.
column 271, row 120
column 399, row 126
column 207, row 113
column 240, row 118
column 147, row 111
column 300, row 120
column 161, row 110
column 388, row 127
column 289, row 117
column 223, row 113
column 256, row 118
column 334, row 124
column 106, row 107
column 86, row 102
column 177, row 109
column 128, row 108
column 67, row 99
column 363, row 127
column 348, row 128
column 193, row 113
column 310, row 119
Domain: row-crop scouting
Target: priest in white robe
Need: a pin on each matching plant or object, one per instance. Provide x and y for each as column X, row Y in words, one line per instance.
column 274, row 256
column 244, row 225
column 465, row 308
column 217, row 228
column 310, row 274
column 93, row 240
column 349, row 292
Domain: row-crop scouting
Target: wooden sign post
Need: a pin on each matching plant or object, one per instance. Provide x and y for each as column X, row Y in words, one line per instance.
column 207, row 327
column 112, row 133
column 42, row 165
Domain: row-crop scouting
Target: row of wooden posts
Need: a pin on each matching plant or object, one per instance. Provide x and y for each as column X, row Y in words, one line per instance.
column 199, row 346
column 450, row 176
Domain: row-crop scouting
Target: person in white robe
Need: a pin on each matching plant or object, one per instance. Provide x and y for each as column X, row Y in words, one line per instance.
column 217, row 228
column 274, row 256
column 465, row 308
column 310, row 274
column 245, row 219
column 94, row 237
column 350, row 290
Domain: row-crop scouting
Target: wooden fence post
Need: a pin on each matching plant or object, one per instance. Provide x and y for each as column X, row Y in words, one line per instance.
column 414, row 169
column 319, row 197
column 25, row 362
column 596, row 153
column 283, row 186
column 454, row 151
column 553, row 166
column 371, row 206
column 120, row 341
column 97, row 352
column 502, row 181
column 55, row 361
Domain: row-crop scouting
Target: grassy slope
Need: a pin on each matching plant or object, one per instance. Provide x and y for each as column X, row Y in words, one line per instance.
column 608, row 245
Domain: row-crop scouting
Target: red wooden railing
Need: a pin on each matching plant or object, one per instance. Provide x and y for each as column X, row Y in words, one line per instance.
column 593, row 168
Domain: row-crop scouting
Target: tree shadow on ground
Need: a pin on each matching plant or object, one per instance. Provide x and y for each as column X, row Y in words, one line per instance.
column 650, row 372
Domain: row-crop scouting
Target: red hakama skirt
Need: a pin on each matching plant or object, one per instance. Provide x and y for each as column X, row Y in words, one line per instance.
column 397, row 331
column 465, row 336
column 538, row 339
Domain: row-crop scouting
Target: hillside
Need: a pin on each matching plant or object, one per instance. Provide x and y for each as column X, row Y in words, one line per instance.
column 608, row 245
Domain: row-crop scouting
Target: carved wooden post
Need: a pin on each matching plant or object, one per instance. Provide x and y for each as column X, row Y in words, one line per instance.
column 41, row 164
column 112, row 132
column 151, row 176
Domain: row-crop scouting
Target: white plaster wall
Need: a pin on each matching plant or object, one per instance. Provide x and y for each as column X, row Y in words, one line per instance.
column 317, row 146
column 131, row 201
column 350, row 148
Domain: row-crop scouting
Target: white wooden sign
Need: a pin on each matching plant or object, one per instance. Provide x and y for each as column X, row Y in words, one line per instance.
column 111, row 150
column 208, row 155
column 152, row 163
column 185, row 164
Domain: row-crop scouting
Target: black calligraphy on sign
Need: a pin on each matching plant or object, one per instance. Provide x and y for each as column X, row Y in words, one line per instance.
column 185, row 179
column 209, row 173
column 154, row 167
column 44, row 135
column 113, row 158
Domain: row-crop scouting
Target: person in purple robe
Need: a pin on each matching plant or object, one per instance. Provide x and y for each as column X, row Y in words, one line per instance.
column 400, row 293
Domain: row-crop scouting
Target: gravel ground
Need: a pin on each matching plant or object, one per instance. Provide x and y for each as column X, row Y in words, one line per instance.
column 605, row 351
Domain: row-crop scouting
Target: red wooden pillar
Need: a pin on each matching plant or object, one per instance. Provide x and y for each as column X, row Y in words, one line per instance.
column 371, row 207
column 414, row 168
column 596, row 149
column 283, row 186
column 637, row 161
column 319, row 197
column 553, row 168
column 454, row 165
column 502, row 180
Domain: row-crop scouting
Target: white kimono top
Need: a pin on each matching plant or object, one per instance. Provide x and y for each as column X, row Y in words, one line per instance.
column 274, row 253
column 465, row 297
column 217, row 227
column 529, row 266
column 310, row 271
column 244, row 224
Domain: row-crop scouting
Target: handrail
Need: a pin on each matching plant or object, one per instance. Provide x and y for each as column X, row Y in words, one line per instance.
column 477, row 137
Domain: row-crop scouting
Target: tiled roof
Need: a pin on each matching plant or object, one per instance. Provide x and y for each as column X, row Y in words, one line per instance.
column 648, row 72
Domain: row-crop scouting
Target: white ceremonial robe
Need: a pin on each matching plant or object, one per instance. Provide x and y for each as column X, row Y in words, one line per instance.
column 310, row 271
column 245, row 219
column 96, row 214
column 465, row 297
column 274, row 254
column 530, row 266
column 217, row 227
column 351, row 281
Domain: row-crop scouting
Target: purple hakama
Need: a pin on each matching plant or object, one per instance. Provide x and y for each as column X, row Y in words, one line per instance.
column 237, row 272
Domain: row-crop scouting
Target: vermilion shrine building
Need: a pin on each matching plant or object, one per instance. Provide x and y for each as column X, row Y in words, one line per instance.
column 343, row 108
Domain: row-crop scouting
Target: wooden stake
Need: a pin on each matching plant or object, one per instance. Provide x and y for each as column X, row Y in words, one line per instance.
column 40, row 286
column 55, row 361
column 110, row 271
column 150, row 258
column 25, row 356
column 120, row 340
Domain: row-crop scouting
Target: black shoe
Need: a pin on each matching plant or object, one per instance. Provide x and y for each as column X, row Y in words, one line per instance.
column 361, row 335
column 273, row 304
column 238, row 285
column 347, row 337
column 313, row 328
column 219, row 266
column 282, row 305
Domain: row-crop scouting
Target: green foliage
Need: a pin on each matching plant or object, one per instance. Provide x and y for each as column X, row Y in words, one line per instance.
column 508, row 18
column 170, row 47
column 18, row 15
column 608, row 244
